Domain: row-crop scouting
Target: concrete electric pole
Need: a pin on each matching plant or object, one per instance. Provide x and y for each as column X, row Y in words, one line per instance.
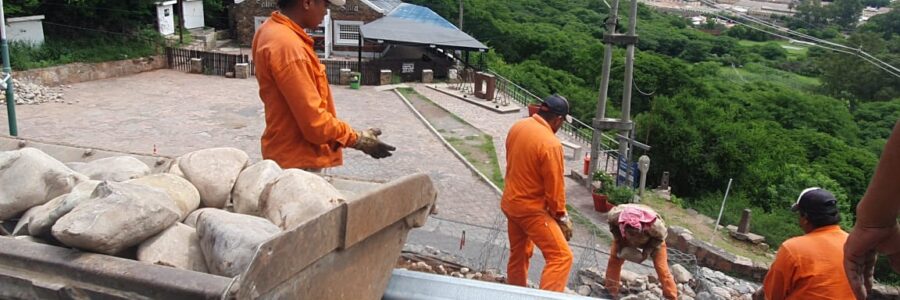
column 460, row 14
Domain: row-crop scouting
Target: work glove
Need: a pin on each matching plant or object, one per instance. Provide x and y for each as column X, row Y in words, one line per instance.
column 565, row 224
column 367, row 142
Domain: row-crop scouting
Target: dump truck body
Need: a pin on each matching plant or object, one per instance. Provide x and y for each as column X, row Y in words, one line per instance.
column 347, row 252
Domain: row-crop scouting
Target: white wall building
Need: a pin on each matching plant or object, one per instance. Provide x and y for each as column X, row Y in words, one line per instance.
column 26, row 29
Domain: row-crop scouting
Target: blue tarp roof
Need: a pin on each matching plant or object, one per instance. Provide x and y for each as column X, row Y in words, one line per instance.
column 418, row 25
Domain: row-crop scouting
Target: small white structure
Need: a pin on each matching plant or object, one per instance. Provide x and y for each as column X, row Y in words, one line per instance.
column 28, row 30
column 193, row 13
column 165, row 17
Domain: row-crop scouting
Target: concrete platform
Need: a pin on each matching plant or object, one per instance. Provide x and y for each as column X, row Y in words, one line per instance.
column 489, row 105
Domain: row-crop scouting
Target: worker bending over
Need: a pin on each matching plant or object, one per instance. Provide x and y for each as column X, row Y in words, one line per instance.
column 638, row 233
column 302, row 128
column 534, row 200
column 811, row 266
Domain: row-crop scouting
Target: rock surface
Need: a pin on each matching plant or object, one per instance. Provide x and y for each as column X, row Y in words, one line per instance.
column 213, row 172
column 117, row 168
column 297, row 196
column 47, row 214
column 31, row 93
column 30, row 177
column 178, row 247
column 229, row 240
column 250, row 185
column 179, row 189
column 116, row 217
column 191, row 219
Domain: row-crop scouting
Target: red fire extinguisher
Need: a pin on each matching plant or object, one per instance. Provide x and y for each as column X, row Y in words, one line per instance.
column 587, row 164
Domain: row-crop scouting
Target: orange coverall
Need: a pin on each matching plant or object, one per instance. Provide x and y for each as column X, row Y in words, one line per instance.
column 810, row 267
column 532, row 200
column 302, row 128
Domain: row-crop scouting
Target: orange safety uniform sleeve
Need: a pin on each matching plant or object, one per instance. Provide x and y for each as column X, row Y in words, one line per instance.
column 302, row 128
column 777, row 284
column 318, row 125
column 554, row 181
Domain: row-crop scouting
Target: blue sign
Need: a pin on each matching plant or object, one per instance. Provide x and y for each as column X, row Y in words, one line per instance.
column 624, row 170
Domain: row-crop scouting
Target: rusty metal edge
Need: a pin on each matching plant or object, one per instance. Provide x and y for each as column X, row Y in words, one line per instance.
column 122, row 277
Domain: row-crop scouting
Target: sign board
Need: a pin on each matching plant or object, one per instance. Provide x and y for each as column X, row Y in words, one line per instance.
column 408, row 68
column 626, row 169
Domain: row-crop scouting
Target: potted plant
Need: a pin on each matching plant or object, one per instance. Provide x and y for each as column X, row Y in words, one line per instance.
column 601, row 195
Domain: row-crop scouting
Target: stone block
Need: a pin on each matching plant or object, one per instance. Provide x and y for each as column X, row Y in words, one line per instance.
column 744, row 225
column 197, row 65
column 242, row 70
column 731, row 228
column 749, row 237
column 345, row 77
column 427, row 76
column 385, row 77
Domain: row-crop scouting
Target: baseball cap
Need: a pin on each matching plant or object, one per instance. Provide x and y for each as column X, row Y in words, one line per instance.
column 816, row 201
column 337, row 2
column 558, row 105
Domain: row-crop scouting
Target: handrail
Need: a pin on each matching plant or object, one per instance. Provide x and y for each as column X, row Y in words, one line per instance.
column 577, row 129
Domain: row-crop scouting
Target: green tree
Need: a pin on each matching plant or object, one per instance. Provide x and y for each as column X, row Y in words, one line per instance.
column 845, row 13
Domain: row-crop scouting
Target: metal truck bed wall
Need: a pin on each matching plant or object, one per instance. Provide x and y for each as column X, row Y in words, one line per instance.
column 409, row 285
column 345, row 253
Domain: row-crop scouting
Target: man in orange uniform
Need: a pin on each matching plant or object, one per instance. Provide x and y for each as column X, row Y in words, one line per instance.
column 302, row 128
column 811, row 266
column 638, row 233
column 534, row 200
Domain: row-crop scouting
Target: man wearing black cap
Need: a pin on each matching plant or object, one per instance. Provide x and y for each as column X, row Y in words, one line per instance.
column 534, row 200
column 811, row 266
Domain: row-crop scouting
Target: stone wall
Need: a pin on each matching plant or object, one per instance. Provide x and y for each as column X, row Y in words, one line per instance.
column 81, row 72
column 713, row 257
column 243, row 15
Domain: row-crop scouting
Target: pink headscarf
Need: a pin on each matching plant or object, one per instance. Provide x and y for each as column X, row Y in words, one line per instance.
column 635, row 217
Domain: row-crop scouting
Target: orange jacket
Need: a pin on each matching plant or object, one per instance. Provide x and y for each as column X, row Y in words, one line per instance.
column 534, row 170
column 302, row 128
column 810, row 267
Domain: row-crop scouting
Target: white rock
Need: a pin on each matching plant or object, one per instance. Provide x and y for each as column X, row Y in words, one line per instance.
column 191, row 219
column 213, row 172
column 230, row 240
column 685, row 297
column 584, row 290
column 464, row 270
column 250, row 185
column 116, row 217
column 174, row 168
column 22, row 226
column 178, row 247
column 296, row 197
column 681, row 274
column 627, row 276
column 631, row 254
column 689, row 291
column 179, row 189
column 47, row 215
column 720, row 293
column 705, row 296
column 118, row 168
column 29, row 178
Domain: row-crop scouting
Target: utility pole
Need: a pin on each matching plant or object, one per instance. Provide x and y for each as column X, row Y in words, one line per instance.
column 629, row 81
column 7, row 70
column 460, row 14
column 180, row 22
column 600, row 122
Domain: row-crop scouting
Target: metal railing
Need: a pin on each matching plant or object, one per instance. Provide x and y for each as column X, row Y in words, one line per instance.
column 577, row 130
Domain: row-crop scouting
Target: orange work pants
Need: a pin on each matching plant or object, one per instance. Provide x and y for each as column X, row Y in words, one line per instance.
column 543, row 231
column 660, row 263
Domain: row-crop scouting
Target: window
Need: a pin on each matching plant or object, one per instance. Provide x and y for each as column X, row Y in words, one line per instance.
column 347, row 33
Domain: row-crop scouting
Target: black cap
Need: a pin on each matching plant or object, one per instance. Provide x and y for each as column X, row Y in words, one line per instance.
column 816, row 201
column 556, row 104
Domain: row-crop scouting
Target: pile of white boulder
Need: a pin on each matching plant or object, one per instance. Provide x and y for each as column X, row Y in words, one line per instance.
column 208, row 213
column 704, row 284
column 32, row 93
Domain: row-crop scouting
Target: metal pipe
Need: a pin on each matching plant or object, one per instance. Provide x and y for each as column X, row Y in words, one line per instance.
column 721, row 210
column 10, row 93
column 629, row 76
column 596, row 140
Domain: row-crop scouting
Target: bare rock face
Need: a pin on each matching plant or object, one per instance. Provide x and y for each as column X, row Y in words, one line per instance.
column 179, row 189
column 30, row 177
column 681, row 274
column 116, row 217
column 250, row 185
column 118, row 168
column 296, row 197
column 631, row 254
column 177, row 247
column 213, row 172
column 174, row 168
column 229, row 240
column 47, row 214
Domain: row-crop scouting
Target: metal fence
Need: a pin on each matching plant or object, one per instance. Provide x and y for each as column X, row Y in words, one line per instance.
column 214, row 63
column 369, row 74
